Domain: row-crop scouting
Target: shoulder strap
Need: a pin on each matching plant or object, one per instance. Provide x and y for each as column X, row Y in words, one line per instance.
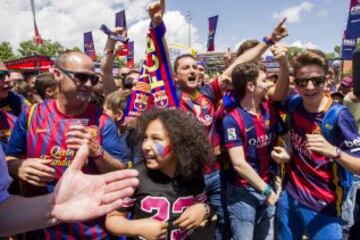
column 294, row 103
column 329, row 122
column 30, row 115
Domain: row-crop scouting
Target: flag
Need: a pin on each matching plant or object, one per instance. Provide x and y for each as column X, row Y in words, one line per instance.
column 155, row 88
column 120, row 19
column 89, row 48
column 130, row 56
column 352, row 31
column 212, row 30
column 37, row 37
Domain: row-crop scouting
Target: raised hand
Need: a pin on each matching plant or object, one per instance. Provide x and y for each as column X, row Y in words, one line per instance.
column 279, row 32
column 36, row 171
column 156, row 12
column 279, row 51
column 80, row 197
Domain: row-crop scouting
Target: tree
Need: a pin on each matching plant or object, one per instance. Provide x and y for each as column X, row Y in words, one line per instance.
column 292, row 51
column 47, row 48
column 337, row 49
column 6, row 52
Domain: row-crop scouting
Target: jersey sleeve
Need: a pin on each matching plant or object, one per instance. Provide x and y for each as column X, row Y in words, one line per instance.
column 349, row 138
column 111, row 140
column 17, row 142
column 231, row 135
column 212, row 91
column 5, row 179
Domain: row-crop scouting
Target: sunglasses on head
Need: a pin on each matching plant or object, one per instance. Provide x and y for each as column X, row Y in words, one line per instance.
column 303, row 82
column 81, row 77
column 4, row 73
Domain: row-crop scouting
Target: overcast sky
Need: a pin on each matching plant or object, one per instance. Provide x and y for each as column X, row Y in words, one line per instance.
column 315, row 24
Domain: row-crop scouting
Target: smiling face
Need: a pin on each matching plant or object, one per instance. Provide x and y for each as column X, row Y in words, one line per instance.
column 312, row 92
column 187, row 74
column 156, row 148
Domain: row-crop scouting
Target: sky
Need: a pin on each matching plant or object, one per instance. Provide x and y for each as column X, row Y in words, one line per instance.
column 311, row 23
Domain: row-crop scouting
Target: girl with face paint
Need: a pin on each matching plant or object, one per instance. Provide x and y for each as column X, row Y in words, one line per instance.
column 170, row 200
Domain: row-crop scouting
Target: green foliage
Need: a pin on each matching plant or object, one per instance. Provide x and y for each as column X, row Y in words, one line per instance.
column 337, row 49
column 48, row 48
column 292, row 51
column 6, row 52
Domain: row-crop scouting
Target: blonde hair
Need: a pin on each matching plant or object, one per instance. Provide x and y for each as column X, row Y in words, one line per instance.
column 117, row 100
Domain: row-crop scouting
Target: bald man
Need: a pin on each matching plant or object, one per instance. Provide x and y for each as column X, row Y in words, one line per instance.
column 49, row 134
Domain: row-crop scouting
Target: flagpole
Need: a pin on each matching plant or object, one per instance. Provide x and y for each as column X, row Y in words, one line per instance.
column 189, row 18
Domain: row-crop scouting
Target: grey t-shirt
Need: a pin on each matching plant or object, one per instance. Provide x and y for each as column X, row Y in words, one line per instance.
column 5, row 179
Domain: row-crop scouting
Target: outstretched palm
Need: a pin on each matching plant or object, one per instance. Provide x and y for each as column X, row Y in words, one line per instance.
column 80, row 197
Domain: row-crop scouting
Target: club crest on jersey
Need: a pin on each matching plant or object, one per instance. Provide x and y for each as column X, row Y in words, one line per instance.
column 231, row 133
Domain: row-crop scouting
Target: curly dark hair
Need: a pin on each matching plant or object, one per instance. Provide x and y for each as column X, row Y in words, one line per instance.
column 187, row 137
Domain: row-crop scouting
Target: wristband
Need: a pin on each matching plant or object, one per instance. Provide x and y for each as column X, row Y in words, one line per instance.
column 338, row 153
column 267, row 40
column 267, row 191
column 109, row 51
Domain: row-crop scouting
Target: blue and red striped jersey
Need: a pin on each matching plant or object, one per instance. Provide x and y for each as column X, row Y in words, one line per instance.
column 257, row 136
column 40, row 133
column 311, row 178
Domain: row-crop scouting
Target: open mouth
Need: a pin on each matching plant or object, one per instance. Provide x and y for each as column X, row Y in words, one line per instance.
column 192, row 79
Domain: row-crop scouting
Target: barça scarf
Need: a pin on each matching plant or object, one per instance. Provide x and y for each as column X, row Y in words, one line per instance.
column 155, row 86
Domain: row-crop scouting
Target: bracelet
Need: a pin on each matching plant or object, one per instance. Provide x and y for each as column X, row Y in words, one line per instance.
column 267, row 40
column 338, row 154
column 267, row 191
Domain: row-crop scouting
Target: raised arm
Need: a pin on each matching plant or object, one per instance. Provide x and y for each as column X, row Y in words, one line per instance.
column 280, row 90
column 111, row 47
column 278, row 33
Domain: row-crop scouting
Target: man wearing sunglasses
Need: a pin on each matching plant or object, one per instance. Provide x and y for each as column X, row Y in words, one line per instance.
column 9, row 100
column 313, row 189
column 44, row 141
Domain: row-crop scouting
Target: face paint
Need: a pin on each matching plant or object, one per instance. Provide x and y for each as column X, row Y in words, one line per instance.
column 162, row 151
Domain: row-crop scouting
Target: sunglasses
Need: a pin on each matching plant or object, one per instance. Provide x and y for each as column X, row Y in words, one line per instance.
column 303, row 82
column 81, row 77
column 3, row 74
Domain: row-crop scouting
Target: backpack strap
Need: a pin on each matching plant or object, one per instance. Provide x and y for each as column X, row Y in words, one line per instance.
column 329, row 122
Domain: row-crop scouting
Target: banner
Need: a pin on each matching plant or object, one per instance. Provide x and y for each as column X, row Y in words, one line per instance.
column 120, row 19
column 155, row 88
column 352, row 31
column 37, row 37
column 212, row 30
column 89, row 48
column 130, row 56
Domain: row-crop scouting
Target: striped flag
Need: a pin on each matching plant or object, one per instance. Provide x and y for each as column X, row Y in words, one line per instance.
column 89, row 48
column 37, row 37
column 212, row 30
column 155, row 88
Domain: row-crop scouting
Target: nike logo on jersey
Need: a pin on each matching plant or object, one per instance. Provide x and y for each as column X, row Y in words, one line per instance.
column 41, row 130
column 249, row 129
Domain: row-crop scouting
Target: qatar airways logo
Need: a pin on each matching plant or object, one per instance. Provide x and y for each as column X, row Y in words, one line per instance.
column 261, row 141
column 299, row 144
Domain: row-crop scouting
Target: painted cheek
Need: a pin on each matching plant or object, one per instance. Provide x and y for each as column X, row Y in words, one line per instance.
column 162, row 151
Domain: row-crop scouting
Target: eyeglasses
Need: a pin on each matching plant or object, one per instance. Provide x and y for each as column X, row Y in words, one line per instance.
column 3, row 74
column 303, row 82
column 81, row 77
